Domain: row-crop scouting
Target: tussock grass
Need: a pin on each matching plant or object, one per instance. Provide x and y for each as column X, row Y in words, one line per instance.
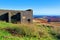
column 33, row 31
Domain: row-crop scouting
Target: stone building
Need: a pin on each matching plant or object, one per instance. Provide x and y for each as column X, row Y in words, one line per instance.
column 16, row 16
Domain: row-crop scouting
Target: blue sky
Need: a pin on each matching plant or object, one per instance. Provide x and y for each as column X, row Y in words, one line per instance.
column 40, row 7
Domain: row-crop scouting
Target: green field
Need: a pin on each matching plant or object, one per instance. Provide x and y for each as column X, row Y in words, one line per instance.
column 9, row 31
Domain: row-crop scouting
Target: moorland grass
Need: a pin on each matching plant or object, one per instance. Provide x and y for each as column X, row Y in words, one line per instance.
column 24, row 32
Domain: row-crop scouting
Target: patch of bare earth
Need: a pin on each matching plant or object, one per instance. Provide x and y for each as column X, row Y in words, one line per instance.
column 44, row 22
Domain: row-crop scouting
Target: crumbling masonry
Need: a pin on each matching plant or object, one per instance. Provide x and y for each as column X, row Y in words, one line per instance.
column 16, row 16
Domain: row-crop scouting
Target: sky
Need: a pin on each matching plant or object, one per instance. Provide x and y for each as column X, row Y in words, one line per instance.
column 39, row 7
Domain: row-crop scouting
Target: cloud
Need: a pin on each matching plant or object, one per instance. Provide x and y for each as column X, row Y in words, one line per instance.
column 50, row 11
column 47, row 11
column 36, row 11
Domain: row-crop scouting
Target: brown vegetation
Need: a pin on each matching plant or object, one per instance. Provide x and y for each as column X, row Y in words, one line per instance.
column 44, row 22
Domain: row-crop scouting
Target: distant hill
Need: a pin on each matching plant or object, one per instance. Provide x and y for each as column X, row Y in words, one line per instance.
column 49, row 18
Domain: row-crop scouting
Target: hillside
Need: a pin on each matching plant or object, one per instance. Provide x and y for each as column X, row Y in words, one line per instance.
column 49, row 18
column 9, row 31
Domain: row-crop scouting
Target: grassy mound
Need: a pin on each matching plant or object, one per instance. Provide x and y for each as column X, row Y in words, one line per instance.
column 9, row 31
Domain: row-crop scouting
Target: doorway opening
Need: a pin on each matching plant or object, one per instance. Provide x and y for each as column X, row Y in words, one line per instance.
column 4, row 17
column 16, row 18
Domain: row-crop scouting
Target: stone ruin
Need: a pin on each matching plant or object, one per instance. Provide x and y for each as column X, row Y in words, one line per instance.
column 16, row 16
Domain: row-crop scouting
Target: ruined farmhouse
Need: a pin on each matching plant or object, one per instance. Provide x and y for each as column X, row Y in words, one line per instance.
column 16, row 16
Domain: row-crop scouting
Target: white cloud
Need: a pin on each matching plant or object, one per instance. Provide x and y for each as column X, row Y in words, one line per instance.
column 47, row 11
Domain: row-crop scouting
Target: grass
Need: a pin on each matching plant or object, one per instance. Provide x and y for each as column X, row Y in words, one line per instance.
column 9, row 31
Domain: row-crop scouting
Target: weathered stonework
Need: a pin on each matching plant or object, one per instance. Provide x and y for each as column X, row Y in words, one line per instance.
column 15, row 16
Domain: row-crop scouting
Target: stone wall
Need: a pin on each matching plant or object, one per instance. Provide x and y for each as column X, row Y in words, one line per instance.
column 16, row 16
